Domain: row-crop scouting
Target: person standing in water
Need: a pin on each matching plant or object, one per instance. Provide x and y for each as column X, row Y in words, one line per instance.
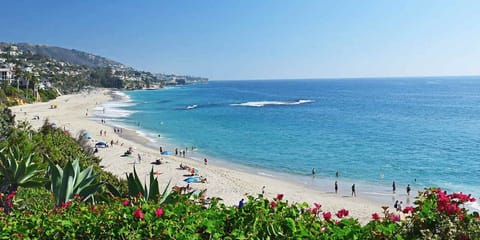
column 408, row 189
column 313, row 171
column 336, row 187
column 394, row 187
column 354, row 194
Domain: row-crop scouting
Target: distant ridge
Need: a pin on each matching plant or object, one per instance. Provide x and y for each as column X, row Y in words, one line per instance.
column 71, row 56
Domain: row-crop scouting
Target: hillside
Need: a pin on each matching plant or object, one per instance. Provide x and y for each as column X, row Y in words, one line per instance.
column 71, row 56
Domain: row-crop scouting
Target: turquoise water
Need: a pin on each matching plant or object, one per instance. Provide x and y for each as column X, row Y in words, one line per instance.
column 419, row 131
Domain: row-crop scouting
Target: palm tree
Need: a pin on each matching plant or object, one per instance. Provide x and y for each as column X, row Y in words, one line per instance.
column 27, row 77
column 17, row 170
column 18, row 73
column 35, row 82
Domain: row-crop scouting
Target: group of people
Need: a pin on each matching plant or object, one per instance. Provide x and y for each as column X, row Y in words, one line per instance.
column 394, row 188
column 181, row 152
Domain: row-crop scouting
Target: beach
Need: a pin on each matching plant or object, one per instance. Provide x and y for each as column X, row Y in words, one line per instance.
column 74, row 113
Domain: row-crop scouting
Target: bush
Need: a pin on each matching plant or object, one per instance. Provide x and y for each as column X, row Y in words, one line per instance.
column 47, row 94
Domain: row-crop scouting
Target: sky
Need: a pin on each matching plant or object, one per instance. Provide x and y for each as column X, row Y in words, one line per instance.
column 260, row 39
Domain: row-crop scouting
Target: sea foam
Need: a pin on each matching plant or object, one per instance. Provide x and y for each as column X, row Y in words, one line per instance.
column 271, row 103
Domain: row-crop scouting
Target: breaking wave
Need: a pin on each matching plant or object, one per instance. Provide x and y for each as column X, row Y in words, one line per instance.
column 271, row 103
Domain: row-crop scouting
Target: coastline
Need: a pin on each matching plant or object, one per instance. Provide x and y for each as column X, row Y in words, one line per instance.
column 229, row 184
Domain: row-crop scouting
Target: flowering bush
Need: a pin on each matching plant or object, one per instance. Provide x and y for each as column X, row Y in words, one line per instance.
column 436, row 215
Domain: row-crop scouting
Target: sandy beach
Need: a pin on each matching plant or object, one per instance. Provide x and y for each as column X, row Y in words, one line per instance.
column 73, row 113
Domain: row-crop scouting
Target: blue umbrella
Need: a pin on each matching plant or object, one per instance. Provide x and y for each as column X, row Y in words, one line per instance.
column 166, row 153
column 87, row 135
column 191, row 179
column 100, row 144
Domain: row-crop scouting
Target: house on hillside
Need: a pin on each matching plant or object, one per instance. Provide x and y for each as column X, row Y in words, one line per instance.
column 44, row 84
column 6, row 74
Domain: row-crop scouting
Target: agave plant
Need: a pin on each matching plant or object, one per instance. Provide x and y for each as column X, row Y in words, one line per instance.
column 17, row 170
column 70, row 181
column 135, row 187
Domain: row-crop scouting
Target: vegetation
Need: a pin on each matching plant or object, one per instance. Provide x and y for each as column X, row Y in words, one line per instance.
column 62, row 208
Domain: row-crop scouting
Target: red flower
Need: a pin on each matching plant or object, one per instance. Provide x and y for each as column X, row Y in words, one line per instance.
column 375, row 217
column 159, row 212
column 317, row 206
column 408, row 209
column 125, row 202
column 138, row 214
column 273, row 204
column 66, row 204
column 279, row 197
column 342, row 213
column 94, row 209
column 10, row 197
column 327, row 215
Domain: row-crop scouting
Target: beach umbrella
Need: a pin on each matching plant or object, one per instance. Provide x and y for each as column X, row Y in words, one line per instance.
column 191, row 179
column 100, row 144
column 87, row 135
column 166, row 153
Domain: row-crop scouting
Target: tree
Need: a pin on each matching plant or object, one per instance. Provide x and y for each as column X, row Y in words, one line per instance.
column 18, row 73
column 35, row 82
column 27, row 76
column 7, row 122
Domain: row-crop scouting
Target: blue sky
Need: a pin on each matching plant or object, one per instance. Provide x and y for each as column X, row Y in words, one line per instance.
column 261, row 39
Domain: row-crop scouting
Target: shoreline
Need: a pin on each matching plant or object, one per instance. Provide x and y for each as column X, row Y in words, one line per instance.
column 229, row 184
column 373, row 191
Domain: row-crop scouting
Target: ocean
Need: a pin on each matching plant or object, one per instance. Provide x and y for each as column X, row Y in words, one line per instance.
column 419, row 131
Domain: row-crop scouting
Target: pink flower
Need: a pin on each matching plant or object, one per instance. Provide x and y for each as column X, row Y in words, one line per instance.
column 327, row 216
column 279, row 197
column 394, row 218
column 273, row 204
column 408, row 209
column 125, row 202
column 313, row 211
column 159, row 212
column 375, row 217
column 138, row 214
column 317, row 206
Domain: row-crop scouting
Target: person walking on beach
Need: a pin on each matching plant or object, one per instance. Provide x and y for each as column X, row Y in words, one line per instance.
column 399, row 206
column 205, row 161
column 354, row 194
column 240, row 204
column 161, row 150
column 408, row 189
column 263, row 190
column 394, row 187
column 313, row 171
column 139, row 158
column 336, row 187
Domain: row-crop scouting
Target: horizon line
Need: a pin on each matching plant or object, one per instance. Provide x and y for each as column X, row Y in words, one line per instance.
column 339, row 78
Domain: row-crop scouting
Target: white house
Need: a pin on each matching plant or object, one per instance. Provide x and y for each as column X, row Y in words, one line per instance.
column 6, row 74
